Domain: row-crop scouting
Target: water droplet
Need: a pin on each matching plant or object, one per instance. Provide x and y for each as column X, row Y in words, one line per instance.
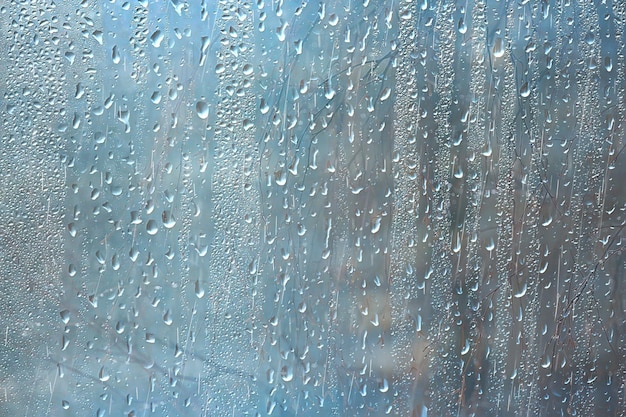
column 247, row 124
column 466, row 347
column 152, row 227
column 280, row 178
column 167, row 317
column 156, row 97
column 270, row 406
column 168, row 218
column 65, row 316
column 202, row 109
column 522, row 291
column 608, row 64
column 386, row 93
column 286, row 373
column 384, row 385
column 199, row 290
column 462, row 27
column 120, row 327
column 247, row 69
column 524, row 90
column 281, row 31
column 65, row 341
column 115, row 263
column 498, row 48
column 157, row 38
column 376, row 224
column 103, row 375
column 70, row 56
column 115, row 55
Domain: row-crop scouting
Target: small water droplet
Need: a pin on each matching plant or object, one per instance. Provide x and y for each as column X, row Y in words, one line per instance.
column 466, row 348
column 524, row 90
column 280, row 178
column 384, row 385
column 522, row 291
column 608, row 64
column 115, row 262
column 202, row 109
column 103, row 375
column 385, row 94
column 65, row 316
column 199, row 290
column 167, row 317
column 376, row 224
column 498, row 48
column 286, row 373
column 462, row 26
column 152, row 227
column 72, row 229
column 157, row 38
column 115, row 55
column 281, row 31
column 168, row 218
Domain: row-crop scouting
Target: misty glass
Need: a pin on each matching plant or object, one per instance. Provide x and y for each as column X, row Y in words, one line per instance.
column 275, row 207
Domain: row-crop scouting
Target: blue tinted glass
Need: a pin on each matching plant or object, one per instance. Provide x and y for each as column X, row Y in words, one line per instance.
column 269, row 207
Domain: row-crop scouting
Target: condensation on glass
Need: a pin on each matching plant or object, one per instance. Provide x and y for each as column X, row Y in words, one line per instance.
column 269, row 207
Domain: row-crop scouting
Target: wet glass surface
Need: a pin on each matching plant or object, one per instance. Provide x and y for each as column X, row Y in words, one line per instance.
column 216, row 208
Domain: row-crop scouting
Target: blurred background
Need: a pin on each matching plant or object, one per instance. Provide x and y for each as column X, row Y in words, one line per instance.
column 269, row 207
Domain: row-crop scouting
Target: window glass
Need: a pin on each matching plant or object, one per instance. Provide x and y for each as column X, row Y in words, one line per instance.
column 270, row 207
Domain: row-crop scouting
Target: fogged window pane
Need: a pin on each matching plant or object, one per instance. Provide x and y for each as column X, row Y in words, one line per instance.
column 216, row 208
